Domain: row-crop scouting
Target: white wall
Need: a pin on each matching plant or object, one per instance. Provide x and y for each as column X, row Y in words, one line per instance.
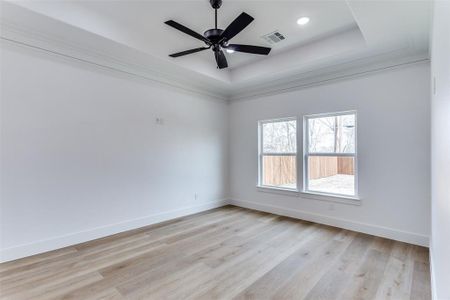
column 393, row 144
column 440, row 155
column 80, row 149
column 82, row 156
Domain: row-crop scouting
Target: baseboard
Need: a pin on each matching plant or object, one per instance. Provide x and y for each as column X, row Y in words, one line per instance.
column 433, row 278
column 398, row 235
column 99, row 232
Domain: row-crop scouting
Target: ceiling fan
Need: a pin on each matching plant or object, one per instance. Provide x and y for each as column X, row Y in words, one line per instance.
column 217, row 39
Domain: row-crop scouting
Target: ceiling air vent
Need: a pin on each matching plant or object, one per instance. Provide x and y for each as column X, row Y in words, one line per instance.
column 273, row 37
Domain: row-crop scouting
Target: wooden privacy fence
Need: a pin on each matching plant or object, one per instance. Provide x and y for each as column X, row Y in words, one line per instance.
column 281, row 170
column 325, row 166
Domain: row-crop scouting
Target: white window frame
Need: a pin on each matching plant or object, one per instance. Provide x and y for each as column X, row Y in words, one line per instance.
column 261, row 154
column 306, row 154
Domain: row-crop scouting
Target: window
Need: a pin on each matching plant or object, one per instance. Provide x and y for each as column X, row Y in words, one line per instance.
column 278, row 154
column 330, row 154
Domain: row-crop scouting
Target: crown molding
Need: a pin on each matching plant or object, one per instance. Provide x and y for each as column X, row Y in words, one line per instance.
column 338, row 72
column 135, row 63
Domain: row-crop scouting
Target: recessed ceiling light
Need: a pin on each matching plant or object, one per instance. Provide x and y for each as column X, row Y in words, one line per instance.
column 303, row 21
column 230, row 51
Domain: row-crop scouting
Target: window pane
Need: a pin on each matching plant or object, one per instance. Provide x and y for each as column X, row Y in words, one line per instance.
column 335, row 134
column 331, row 174
column 280, row 137
column 279, row 171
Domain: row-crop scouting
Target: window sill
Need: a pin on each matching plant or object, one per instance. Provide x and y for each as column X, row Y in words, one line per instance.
column 353, row 200
column 280, row 191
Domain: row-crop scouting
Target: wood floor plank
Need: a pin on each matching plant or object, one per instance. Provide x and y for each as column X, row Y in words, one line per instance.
column 152, row 264
column 268, row 285
column 221, row 263
column 397, row 278
column 35, row 261
column 332, row 284
column 365, row 282
column 225, row 284
column 55, row 290
column 420, row 288
column 225, row 253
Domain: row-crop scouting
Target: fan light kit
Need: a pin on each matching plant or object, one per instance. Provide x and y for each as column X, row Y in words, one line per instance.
column 217, row 39
column 303, row 21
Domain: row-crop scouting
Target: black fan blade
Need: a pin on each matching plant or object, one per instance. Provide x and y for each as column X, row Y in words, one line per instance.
column 249, row 49
column 236, row 26
column 187, row 30
column 188, row 52
column 221, row 59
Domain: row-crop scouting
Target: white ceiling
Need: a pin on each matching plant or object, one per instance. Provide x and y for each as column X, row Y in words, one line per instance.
column 339, row 32
column 141, row 24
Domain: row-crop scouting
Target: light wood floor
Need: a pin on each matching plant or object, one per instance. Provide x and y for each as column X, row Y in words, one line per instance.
column 223, row 254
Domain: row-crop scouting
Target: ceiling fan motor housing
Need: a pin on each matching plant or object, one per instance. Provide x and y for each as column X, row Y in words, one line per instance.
column 213, row 35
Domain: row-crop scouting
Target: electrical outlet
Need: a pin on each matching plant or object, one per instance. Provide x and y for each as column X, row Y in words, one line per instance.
column 159, row 121
column 196, row 196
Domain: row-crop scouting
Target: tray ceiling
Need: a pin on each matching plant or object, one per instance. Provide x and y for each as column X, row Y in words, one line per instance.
column 338, row 32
